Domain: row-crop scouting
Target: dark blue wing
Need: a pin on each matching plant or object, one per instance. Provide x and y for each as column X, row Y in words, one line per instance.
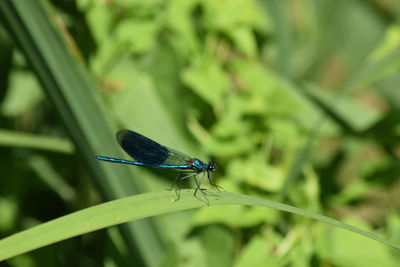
column 141, row 148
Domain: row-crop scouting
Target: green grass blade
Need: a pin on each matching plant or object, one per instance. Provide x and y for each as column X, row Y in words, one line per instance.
column 73, row 94
column 276, row 10
column 139, row 207
column 50, row 176
column 49, row 143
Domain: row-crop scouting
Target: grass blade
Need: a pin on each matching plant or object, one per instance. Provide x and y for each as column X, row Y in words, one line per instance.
column 146, row 205
column 73, row 94
column 49, row 143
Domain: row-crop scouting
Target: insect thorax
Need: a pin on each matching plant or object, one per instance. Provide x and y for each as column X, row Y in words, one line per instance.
column 198, row 165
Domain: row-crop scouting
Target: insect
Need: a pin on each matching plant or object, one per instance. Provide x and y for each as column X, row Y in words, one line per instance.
column 149, row 153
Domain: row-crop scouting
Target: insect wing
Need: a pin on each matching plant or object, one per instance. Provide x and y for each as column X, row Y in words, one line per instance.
column 176, row 158
column 141, row 148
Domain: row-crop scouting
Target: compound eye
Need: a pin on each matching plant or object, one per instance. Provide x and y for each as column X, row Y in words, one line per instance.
column 211, row 166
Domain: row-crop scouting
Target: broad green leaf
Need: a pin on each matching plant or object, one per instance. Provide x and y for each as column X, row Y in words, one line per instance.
column 99, row 16
column 138, row 35
column 23, row 94
column 202, row 70
column 255, row 253
column 245, row 40
column 179, row 20
column 212, row 237
column 224, row 15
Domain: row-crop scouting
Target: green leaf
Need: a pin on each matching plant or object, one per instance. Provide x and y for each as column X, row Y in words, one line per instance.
column 216, row 255
column 346, row 109
column 140, row 35
column 254, row 254
column 197, row 77
column 235, row 216
column 341, row 248
column 388, row 44
column 9, row 212
column 145, row 205
column 51, row 177
column 49, row 143
column 73, row 94
column 24, row 94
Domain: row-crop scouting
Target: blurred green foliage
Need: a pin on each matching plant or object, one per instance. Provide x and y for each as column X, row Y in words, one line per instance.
column 296, row 101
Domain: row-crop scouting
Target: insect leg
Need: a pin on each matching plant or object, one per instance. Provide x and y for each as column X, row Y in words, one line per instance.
column 201, row 189
column 214, row 184
column 176, row 179
column 179, row 179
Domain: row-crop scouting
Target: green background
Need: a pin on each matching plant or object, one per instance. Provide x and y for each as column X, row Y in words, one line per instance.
column 296, row 101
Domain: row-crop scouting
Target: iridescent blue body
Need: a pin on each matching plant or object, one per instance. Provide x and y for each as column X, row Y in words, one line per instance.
column 149, row 153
